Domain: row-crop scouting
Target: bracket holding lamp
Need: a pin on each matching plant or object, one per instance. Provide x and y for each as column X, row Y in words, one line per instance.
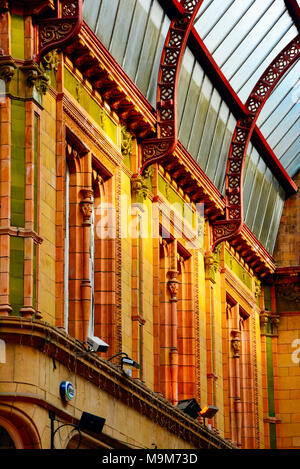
column 125, row 360
column 88, row 422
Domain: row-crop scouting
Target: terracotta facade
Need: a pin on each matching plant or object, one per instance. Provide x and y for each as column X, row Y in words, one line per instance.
column 91, row 247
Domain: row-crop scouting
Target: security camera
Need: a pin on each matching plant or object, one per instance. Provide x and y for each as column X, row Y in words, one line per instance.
column 96, row 345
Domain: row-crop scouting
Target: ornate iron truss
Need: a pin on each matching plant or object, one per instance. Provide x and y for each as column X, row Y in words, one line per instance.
column 157, row 149
column 225, row 229
column 55, row 32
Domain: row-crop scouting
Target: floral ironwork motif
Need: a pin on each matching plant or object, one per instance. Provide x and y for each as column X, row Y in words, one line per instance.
column 56, row 32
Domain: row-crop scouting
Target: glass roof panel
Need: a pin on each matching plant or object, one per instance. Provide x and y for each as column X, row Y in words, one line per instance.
column 243, row 36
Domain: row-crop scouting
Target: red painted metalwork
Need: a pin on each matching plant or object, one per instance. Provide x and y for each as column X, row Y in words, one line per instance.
column 157, row 149
column 294, row 11
column 225, row 229
column 57, row 31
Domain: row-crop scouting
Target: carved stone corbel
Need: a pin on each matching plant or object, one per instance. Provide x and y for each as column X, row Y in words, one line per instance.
column 264, row 319
column 236, row 343
column 7, row 68
column 139, row 189
column 275, row 323
column 173, row 284
column 211, row 266
column 35, row 77
column 86, row 205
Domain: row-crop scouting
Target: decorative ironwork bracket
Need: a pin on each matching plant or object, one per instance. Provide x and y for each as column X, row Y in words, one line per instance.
column 55, row 32
column 226, row 229
column 157, row 149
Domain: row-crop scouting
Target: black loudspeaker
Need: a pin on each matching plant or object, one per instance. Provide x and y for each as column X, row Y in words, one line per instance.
column 91, row 423
column 189, row 407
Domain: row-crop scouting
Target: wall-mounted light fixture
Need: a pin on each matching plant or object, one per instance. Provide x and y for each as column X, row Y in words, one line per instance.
column 87, row 422
column 208, row 412
column 189, row 407
column 125, row 360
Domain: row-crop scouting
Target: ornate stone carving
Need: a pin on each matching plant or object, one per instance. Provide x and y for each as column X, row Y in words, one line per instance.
column 7, row 68
column 264, row 319
column 50, row 60
column 275, row 323
column 257, row 288
column 211, row 266
column 236, row 343
column 86, row 205
column 126, row 141
column 35, row 77
column 139, row 189
column 173, row 284
column 289, row 292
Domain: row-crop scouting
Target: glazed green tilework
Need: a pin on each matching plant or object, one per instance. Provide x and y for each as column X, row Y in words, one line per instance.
column 16, row 274
column 17, row 163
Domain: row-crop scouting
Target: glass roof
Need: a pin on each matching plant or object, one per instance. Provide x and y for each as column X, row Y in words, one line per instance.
column 243, row 36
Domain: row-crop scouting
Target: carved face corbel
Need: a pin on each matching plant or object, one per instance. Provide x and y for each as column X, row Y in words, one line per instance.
column 86, row 205
column 173, row 284
column 236, row 343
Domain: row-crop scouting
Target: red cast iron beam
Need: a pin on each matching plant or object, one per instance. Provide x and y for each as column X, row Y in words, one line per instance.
column 163, row 145
column 226, row 229
column 204, row 57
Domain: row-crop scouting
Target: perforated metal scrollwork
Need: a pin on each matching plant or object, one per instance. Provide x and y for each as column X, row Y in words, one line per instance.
column 58, row 30
column 156, row 149
column 231, row 226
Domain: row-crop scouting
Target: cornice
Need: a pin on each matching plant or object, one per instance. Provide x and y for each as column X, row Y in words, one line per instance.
column 239, row 288
column 99, row 67
column 57, row 344
column 97, row 136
